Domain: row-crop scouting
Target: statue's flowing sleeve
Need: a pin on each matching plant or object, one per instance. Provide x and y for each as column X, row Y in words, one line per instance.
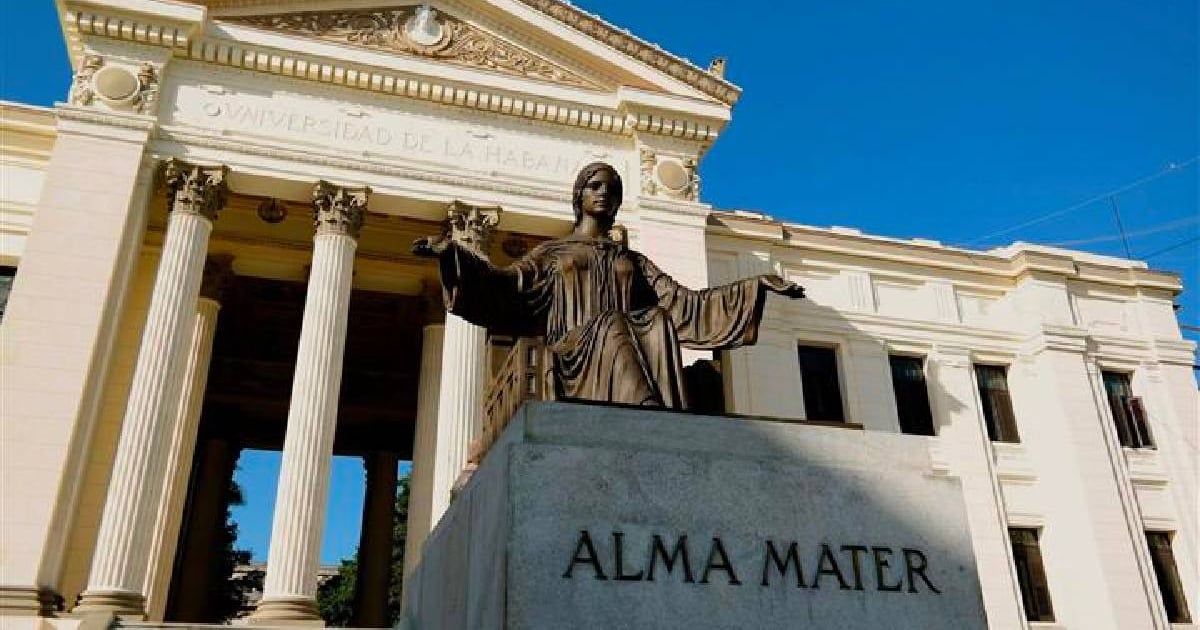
column 505, row 300
column 709, row 319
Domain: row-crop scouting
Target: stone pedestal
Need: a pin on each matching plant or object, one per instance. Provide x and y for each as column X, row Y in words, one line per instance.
column 601, row 517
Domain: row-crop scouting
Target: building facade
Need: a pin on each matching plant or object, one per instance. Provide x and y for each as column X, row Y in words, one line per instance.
column 208, row 249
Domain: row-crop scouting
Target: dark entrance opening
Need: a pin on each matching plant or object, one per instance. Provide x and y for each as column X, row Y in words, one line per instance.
column 246, row 406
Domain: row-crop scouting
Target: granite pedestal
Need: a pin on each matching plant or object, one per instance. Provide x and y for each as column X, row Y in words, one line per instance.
column 600, row 517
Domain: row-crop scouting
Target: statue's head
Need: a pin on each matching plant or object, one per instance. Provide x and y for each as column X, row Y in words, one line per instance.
column 597, row 193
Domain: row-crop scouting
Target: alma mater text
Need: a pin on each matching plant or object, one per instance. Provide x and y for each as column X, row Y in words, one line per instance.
column 846, row 567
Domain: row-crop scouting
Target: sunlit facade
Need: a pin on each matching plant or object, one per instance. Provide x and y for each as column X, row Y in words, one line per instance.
column 208, row 241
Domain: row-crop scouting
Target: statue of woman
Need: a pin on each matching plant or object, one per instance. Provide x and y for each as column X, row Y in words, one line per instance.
column 613, row 322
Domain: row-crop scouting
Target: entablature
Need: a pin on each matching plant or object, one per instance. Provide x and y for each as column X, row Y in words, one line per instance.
column 480, row 71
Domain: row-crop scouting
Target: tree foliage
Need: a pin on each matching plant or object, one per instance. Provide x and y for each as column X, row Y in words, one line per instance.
column 335, row 597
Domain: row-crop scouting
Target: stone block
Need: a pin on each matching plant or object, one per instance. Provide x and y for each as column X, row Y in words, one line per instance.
column 603, row 517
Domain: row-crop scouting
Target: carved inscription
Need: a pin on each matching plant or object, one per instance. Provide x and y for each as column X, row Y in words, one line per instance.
column 360, row 132
column 777, row 563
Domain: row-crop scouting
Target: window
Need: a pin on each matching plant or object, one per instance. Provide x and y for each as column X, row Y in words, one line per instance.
column 1169, row 586
column 912, row 397
column 1128, row 413
column 997, row 406
column 819, row 377
column 6, row 281
column 1031, row 576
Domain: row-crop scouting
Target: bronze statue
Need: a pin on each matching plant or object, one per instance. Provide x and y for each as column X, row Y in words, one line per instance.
column 613, row 322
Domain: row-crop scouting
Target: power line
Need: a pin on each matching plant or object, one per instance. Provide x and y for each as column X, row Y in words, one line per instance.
column 1154, row 229
column 1120, row 228
column 1171, row 168
column 1171, row 248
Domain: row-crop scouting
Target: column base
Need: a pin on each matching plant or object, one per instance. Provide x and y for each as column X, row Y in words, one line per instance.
column 28, row 601
column 128, row 604
column 286, row 611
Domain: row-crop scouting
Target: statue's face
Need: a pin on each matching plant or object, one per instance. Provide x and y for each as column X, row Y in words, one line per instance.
column 597, row 198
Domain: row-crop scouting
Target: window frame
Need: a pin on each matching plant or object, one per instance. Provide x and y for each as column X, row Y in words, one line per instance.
column 1034, row 567
column 1173, row 590
column 1126, row 410
column 838, row 376
column 996, row 432
column 924, row 363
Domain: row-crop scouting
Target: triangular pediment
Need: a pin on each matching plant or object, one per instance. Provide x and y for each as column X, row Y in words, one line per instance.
column 426, row 32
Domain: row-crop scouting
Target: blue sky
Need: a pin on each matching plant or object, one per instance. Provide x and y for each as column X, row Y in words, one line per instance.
column 940, row 119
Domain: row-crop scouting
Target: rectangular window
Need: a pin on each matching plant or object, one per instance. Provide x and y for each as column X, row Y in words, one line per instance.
column 1169, row 586
column 997, row 406
column 6, row 281
column 1031, row 575
column 912, row 396
column 1129, row 416
column 819, row 377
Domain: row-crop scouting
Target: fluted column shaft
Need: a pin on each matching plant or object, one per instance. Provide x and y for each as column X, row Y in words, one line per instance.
column 464, row 364
column 197, row 356
column 289, row 591
column 373, row 581
column 425, row 448
column 460, row 404
column 126, row 528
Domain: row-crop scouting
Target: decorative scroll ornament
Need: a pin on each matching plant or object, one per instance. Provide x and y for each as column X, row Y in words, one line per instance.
column 146, row 100
column 421, row 31
column 339, row 209
column 675, row 177
column 472, row 226
column 82, row 92
column 648, row 160
column 193, row 189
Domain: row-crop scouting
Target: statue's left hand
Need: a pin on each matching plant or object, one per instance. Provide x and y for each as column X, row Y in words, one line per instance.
column 776, row 284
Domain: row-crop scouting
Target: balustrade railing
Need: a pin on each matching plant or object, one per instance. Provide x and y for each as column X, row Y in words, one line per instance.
column 521, row 377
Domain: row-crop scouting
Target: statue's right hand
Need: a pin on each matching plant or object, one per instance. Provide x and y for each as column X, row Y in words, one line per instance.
column 430, row 246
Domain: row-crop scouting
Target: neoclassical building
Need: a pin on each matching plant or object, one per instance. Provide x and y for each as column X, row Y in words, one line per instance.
column 207, row 243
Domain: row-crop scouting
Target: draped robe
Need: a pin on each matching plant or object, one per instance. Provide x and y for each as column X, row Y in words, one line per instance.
column 612, row 320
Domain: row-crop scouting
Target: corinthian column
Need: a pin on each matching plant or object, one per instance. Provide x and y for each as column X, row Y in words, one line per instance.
column 289, row 592
column 121, row 558
column 464, row 366
column 217, row 273
column 425, row 451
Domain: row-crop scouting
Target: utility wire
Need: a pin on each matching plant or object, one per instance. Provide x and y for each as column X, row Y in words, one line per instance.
column 1171, row 248
column 1120, row 228
column 1154, row 229
column 1171, row 168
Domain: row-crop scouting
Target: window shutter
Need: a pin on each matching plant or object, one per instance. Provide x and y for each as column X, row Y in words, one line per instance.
column 1002, row 413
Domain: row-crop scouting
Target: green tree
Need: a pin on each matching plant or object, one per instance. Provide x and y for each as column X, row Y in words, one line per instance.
column 229, row 592
column 335, row 597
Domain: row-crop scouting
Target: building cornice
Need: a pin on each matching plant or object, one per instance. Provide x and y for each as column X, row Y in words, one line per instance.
column 625, row 42
column 1016, row 262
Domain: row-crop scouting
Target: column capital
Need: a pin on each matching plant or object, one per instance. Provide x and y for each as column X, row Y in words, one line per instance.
column 193, row 188
column 339, row 209
column 472, row 225
column 218, row 274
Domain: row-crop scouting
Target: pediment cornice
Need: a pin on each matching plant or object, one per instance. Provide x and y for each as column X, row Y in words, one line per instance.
column 592, row 26
column 421, row 31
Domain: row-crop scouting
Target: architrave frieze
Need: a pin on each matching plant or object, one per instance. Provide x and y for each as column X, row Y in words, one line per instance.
column 192, row 138
column 424, row 32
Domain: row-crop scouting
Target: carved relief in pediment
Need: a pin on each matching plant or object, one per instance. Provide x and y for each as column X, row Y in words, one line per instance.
column 424, row 32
